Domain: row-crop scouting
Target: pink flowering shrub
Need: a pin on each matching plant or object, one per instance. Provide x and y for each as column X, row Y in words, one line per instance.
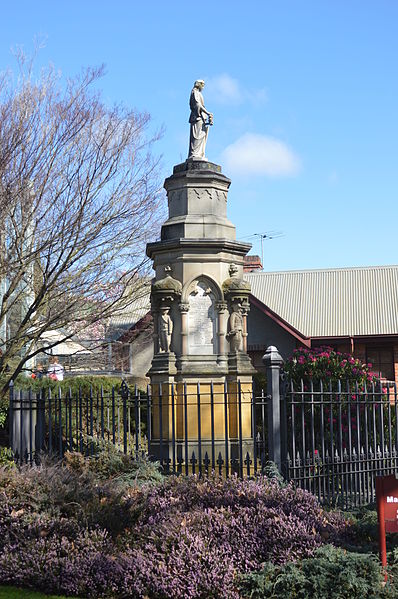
column 328, row 364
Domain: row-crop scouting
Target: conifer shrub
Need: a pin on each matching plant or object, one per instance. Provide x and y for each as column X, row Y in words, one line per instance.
column 331, row 573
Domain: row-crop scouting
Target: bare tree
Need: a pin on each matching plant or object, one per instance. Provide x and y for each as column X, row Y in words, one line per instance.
column 79, row 199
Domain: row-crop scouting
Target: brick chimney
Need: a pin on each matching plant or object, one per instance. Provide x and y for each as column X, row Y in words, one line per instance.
column 252, row 263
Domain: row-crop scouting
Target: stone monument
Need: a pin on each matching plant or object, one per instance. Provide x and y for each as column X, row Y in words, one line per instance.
column 199, row 303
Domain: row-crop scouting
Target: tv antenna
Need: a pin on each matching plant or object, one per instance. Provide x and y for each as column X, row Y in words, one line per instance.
column 262, row 236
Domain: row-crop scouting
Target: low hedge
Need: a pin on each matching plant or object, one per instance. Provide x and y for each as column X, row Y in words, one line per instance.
column 331, row 573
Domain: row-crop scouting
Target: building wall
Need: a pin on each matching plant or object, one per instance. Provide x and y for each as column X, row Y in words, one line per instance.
column 134, row 357
column 262, row 332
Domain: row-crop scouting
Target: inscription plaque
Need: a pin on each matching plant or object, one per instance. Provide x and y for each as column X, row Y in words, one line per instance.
column 201, row 321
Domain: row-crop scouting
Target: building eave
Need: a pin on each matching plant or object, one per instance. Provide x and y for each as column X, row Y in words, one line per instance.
column 282, row 323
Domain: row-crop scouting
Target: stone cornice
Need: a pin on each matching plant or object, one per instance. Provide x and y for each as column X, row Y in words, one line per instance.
column 228, row 245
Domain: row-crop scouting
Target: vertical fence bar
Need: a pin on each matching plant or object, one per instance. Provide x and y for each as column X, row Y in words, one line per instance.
column 312, row 432
column 199, row 430
column 293, row 428
column 254, row 431
column 240, row 430
column 129, row 428
column 186, row 429
column 321, row 461
column 161, row 423
column 11, row 414
column 358, row 443
column 125, row 395
column 213, row 449
column 263, row 426
column 341, row 481
column 66, row 421
column 77, row 421
column 136, row 418
column 389, row 418
column 173, row 429
column 283, row 417
column 149, row 418
column 396, row 421
column 226, row 429
column 102, row 412
column 337, row 483
column 113, row 417
column 70, row 420
column 367, row 456
column 50, row 423
column 31, row 425
column 97, row 416
column 303, row 441
column 91, row 420
column 381, row 424
column 350, row 461
column 139, row 419
column 20, row 426
column 60, row 447
column 80, row 421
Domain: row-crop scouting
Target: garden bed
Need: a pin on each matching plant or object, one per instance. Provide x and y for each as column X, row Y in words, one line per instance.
column 114, row 527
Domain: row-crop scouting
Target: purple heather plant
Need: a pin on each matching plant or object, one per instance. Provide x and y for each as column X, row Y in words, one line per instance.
column 186, row 538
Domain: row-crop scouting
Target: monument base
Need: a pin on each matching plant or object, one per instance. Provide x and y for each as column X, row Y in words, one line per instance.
column 203, row 424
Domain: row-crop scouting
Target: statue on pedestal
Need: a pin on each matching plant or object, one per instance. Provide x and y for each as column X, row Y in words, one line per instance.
column 197, row 120
column 235, row 333
column 165, row 329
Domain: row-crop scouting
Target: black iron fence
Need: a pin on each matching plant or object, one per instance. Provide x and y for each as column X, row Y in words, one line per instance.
column 332, row 440
column 188, row 429
column 337, row 438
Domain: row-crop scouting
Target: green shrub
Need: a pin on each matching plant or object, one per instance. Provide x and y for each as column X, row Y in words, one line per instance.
column 331, row 574
column 6, row 458
column 362, row 532
column 85, row 383
column 108, row 463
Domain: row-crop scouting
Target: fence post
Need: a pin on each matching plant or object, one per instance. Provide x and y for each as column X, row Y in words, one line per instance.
column 11, row 416
column 273, row 362
column 124, row 390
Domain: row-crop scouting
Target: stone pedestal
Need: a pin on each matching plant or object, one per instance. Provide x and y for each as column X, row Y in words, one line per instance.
column 199, row 294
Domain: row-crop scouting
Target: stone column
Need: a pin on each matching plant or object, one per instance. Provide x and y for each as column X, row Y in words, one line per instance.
column 155, row 314
column 221, row 326
column 184, row 308
column 245, row 312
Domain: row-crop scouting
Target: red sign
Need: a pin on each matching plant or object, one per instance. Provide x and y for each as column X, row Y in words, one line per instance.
column 387, row 510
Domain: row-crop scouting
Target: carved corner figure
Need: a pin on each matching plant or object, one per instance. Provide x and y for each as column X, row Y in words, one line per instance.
column 235, row 333
column 199, row 125
column 165, row 329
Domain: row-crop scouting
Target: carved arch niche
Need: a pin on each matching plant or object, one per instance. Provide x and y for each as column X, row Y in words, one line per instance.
column 201, row 298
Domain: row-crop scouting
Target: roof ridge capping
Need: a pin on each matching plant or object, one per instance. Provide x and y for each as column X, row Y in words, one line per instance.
column 315, row 270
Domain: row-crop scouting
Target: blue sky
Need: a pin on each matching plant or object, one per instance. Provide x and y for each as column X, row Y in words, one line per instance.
column 304, row 96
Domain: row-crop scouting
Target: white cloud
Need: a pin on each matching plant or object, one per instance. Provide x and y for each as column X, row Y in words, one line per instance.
column 254, row 154
column 224, row 89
